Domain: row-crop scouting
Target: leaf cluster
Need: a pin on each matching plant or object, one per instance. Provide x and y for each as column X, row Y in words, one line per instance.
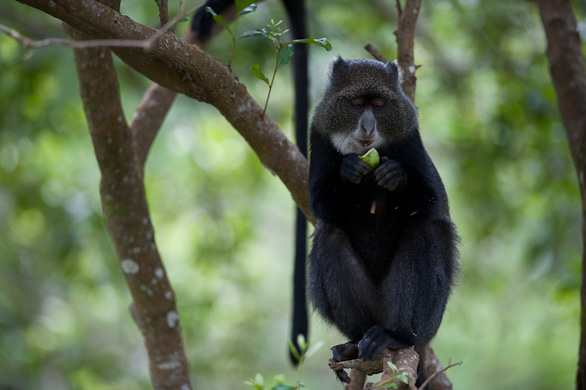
column 273, row 33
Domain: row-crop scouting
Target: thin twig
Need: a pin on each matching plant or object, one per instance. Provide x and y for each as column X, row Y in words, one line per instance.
column 163, row 12
column 33, row 44
column 399, row 9
column 26, row 42
column 145, row 44
column 375, row 53
column 439, row 372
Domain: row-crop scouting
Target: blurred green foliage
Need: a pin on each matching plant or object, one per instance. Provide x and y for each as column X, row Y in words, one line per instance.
column 224, row 224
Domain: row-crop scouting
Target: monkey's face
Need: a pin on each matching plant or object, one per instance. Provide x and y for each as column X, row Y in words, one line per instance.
column 364, row 107
column 366, row 133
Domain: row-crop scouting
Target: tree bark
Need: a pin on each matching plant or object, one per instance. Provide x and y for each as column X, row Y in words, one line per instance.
column 405, row 35
column 566, row 65
column 127, row 218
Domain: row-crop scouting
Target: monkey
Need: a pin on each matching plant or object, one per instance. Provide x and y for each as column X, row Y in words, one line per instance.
column 201, row 28
column 384, row 251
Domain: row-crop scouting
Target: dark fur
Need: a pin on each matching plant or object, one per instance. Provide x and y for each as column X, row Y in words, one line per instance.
column 382, row 279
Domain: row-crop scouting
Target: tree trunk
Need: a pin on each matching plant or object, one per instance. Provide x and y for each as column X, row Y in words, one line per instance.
column 566, row 65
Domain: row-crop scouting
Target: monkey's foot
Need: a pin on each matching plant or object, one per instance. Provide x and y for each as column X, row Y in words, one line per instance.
column 342, row 353
column 375, row 340
column 338, row 368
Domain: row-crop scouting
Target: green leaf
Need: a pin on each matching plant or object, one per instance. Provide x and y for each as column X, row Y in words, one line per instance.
column 249, row 9
column 388, row 386
column 282, row 386
column 321, row 42
column 158, row 2
column 293, row 349
column 184, row 19
column 313, row 349
column 392, row 366
column 259, row 74
column 252, row 382
column 218, row 18
column 301, row 341
column 242, row 4
column 402, row 377
column 259, row 380
column 252, row 33
column 284, row 57
column 279, row 379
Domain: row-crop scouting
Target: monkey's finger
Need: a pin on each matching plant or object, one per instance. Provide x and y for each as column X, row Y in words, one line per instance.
column 392, row 186
column 343, row 376
column 384, row 177
column 350, row 175
column 347, row 351
column 388, row 165
column 360, row 167
column 352, row 160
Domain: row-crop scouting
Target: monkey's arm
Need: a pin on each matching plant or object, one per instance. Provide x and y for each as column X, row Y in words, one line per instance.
column 411, row 172
column 325, row 183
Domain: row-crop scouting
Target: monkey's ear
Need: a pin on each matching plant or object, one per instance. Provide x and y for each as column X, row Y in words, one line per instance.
column 395, row 73
column 338, row 71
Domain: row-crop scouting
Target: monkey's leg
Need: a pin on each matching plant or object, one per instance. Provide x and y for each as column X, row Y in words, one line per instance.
column 339, row 287
column 417, row 287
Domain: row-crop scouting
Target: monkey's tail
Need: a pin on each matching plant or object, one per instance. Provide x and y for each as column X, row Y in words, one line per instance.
column 201, row 30
column 300, row 321
column 296, row 13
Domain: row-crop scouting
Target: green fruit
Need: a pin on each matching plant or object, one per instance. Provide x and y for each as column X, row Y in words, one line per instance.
column 371, row 158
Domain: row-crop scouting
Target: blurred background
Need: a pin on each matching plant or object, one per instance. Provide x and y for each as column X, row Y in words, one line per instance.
column 224, row 224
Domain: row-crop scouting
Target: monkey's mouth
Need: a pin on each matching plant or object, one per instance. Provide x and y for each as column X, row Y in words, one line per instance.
column 365, row 142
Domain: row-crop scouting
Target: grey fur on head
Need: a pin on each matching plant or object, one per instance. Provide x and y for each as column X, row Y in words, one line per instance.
column 349, row 79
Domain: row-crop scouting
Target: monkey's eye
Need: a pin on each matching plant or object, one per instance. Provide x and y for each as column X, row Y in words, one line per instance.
column 358, row 102
column 378, row 103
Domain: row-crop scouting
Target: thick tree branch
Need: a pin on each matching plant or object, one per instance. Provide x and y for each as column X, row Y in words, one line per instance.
column 405, row 35
column 148, row 118
column 566, row 65
column 406, row 361
column 184, row 68
column 127, row 218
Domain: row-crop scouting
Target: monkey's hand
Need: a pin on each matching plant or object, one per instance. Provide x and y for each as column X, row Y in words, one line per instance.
column 342, row 353
column 390, row 174
column 374, row 340
column 353, row 168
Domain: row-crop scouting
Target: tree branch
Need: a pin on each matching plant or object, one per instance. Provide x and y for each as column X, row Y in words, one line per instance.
column 375, row 53
column 405, row 35
column 184, row 68
column 437, row 373
column 127, row 218
column 566, row 65
column 406, row 361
